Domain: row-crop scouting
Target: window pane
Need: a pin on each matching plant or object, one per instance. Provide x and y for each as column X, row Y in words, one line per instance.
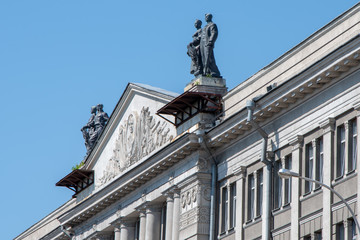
column 224, row 209
column 260, row 193
column 277, row 186
column 353, row 146
column 232, row 205
column 341, row 152
column 288, row 165
column 309, row 163
column 251, row 196
column 340, row 231
column 319, row 161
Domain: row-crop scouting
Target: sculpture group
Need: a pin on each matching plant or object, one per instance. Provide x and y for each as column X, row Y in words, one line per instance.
column 201, row 49
column 92, row 130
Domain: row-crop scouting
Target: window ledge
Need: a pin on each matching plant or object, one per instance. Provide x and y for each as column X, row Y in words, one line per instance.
column 281, row 210
column 252, row 222
column 311, row 194
column 343, row 179
column 227, row 233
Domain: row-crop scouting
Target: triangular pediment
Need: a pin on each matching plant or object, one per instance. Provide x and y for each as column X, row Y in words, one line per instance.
column 133, row 132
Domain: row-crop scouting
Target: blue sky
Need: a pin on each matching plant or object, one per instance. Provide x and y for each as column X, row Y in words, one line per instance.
column 58, row 58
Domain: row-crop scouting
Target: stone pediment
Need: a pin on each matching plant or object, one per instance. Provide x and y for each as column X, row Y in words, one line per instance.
column 134, row 131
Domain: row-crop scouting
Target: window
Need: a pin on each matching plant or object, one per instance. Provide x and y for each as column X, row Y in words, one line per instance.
column 340, row 231
column 277, row 185
column 287, row 182
column 308, row 237
column 259, row 193
column 318, row 235
column 232, row 205
column 228, row 207
column 224, row 209
column 309, row 164
column 351, row 229
column 319, row 161
column 352, row 146
column 341, row 144
column 251, row 196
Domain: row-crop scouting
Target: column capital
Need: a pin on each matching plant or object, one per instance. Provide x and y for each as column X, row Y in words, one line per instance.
column 240, row 172
column 296, row 141
column 154, row 207
column 313, row 143
column 328, row 125
column 127, row 222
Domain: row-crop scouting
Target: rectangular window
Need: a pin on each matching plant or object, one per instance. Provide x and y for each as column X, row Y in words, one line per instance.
column 352, row 146
column 287, row 182
column 277, row 185
column 251, row 196
column 319, row 161
column 318, row 235
column 351, row 229
column 259, row 193
column 308, row 237
column 232, row 205
column 341, row 143
column 224, row 209
column 340, row 231
column 309, row 164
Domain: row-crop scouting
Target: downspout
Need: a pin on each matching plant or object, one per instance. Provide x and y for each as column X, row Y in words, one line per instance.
column 202, row 141
column 266, row 226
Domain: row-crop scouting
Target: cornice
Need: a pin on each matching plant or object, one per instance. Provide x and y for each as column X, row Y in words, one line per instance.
column 283, row 98
column 121, row 187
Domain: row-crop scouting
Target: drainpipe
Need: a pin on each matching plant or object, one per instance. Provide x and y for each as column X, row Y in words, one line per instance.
column 266, row 226
column 202, row 141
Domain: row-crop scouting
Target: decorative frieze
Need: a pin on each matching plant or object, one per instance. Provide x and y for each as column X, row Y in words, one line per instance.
column 137, row 137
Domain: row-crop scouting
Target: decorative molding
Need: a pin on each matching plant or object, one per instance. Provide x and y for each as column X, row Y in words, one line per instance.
column 328, row 125
column 137, row 138
column 296, row 141
column 240, row 172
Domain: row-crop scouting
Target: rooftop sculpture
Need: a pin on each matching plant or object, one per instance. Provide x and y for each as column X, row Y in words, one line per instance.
column 93, row 129
column 201, row 49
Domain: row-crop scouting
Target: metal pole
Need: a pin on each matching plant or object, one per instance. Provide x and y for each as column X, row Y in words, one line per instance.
column 293, row 174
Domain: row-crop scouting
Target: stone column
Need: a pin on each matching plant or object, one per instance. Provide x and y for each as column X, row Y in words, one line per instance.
column 117, row 231
column 176, row 215
column 347, row 138
column 169, row 215
column 142, row 230
column 153, row 222
column 127, row 229
column 240, row 200
column 296, row 143
column 328, row 127
column 357, row 109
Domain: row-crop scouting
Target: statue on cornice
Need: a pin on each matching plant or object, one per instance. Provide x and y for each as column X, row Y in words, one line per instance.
column 201, row 49
column 194, row 50
column 92, row 130
column 207, row 43
column 89, row 129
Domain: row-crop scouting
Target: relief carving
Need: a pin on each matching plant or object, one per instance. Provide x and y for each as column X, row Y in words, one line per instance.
column 138, row 136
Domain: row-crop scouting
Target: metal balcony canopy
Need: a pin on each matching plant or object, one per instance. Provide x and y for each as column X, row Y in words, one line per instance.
column 77, row 180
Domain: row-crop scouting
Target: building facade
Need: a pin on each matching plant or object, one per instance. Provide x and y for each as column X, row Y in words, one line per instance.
column 203, row 164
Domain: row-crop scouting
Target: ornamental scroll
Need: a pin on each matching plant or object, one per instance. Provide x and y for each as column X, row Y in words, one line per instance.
column 137, row 137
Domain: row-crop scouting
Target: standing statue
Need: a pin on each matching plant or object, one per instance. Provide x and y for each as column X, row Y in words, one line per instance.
column 208, row 37
column 88, row 129
column 100, row 120
column 194, row 50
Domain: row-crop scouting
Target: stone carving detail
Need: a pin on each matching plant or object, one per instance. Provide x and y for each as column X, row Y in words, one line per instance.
column 203, row 164
column 206, row 193
column 196, row 215
column 137, row 138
